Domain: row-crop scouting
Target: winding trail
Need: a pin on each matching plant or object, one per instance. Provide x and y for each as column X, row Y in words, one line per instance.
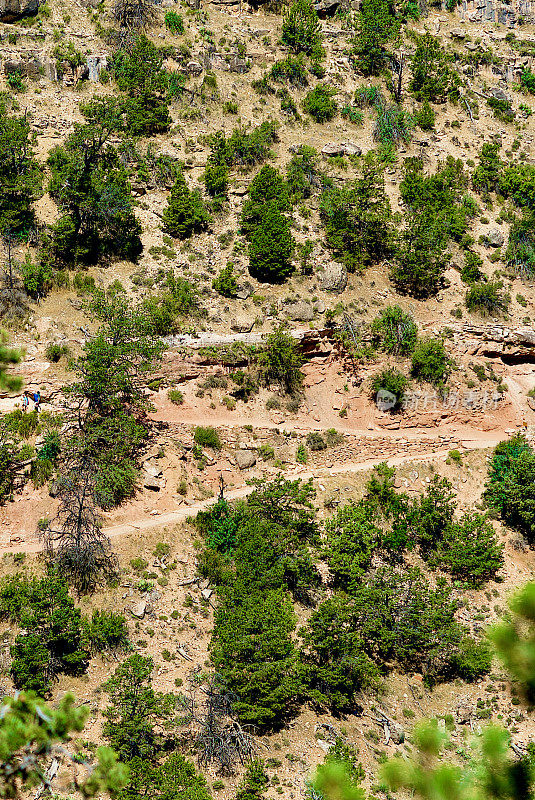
column 472, row 439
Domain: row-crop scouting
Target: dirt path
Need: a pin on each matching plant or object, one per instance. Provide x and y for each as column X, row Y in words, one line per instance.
column 471, row 440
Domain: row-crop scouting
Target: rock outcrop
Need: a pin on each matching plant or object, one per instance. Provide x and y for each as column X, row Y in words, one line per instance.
column 12, row 10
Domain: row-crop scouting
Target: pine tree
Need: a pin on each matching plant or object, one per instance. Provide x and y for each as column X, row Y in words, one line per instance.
column 271, row 246
column 301, row 29
column 376, row 26
column 185, row 213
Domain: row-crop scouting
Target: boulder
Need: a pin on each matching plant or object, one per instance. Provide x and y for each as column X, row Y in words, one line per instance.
column 238, row 65
column 333, row 278
column 332, row 149
column 397, row 733
column 499, row 94
column 301, row 311
column 495, row 237
column 241, row 325
column 152, row 470
column 12, row 10
column 245, row 459
column 154, row 484
column 138, row 609
column 245, row 290
column 194, row 68
column 326, row 8
column 351, row 149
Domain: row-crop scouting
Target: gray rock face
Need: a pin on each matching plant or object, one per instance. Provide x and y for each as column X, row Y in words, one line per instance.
column 94, row 66
column 333, row 278
column 495, row 237
column 245, row 459
column 11, row 10
column 301, row 311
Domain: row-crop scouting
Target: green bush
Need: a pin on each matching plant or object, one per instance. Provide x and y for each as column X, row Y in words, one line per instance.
column 358, row 219
column 395, row 331
column 66, row 52
column 207, row 437
column 185, row 213
column 430, row 362
column 404, row 621
column 252, row 650
column 12, row 455
column 216, row 180
column 351, row 540
column 225, row 283
column 139, row 74
column 393, row 125
column 390, row 380
column 520, row 253
column 54, row 351
column 271, row 246
column 107, row 631
column 243, row 148
column 301, row 29
column 290, row 70
column 517, row 181
column 425, row 117
column 334, row 666
column 280, row 362
column 432, row 77
column 471, row 271
column 486, row 298
column 136, row 711
column 502, row 109
column 52, row 640
column 510, row 487
column 175, row 396
column 302, row 172
column 319, row 103
column 469, row 550
column 527, row 80
column 488, row 171
column 89, row 183
column 367, row 96
column 438, row 197
column 431, row 514
column 420, row 259
column 301, row 454
column 20, row 174
column 37, row 277
column 174, row 22
column 268, row 186
column 315, row 441
column 376, row 26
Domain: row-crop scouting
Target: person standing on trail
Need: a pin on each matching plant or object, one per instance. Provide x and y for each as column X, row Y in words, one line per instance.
column 37, row 400
column 25, row 402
